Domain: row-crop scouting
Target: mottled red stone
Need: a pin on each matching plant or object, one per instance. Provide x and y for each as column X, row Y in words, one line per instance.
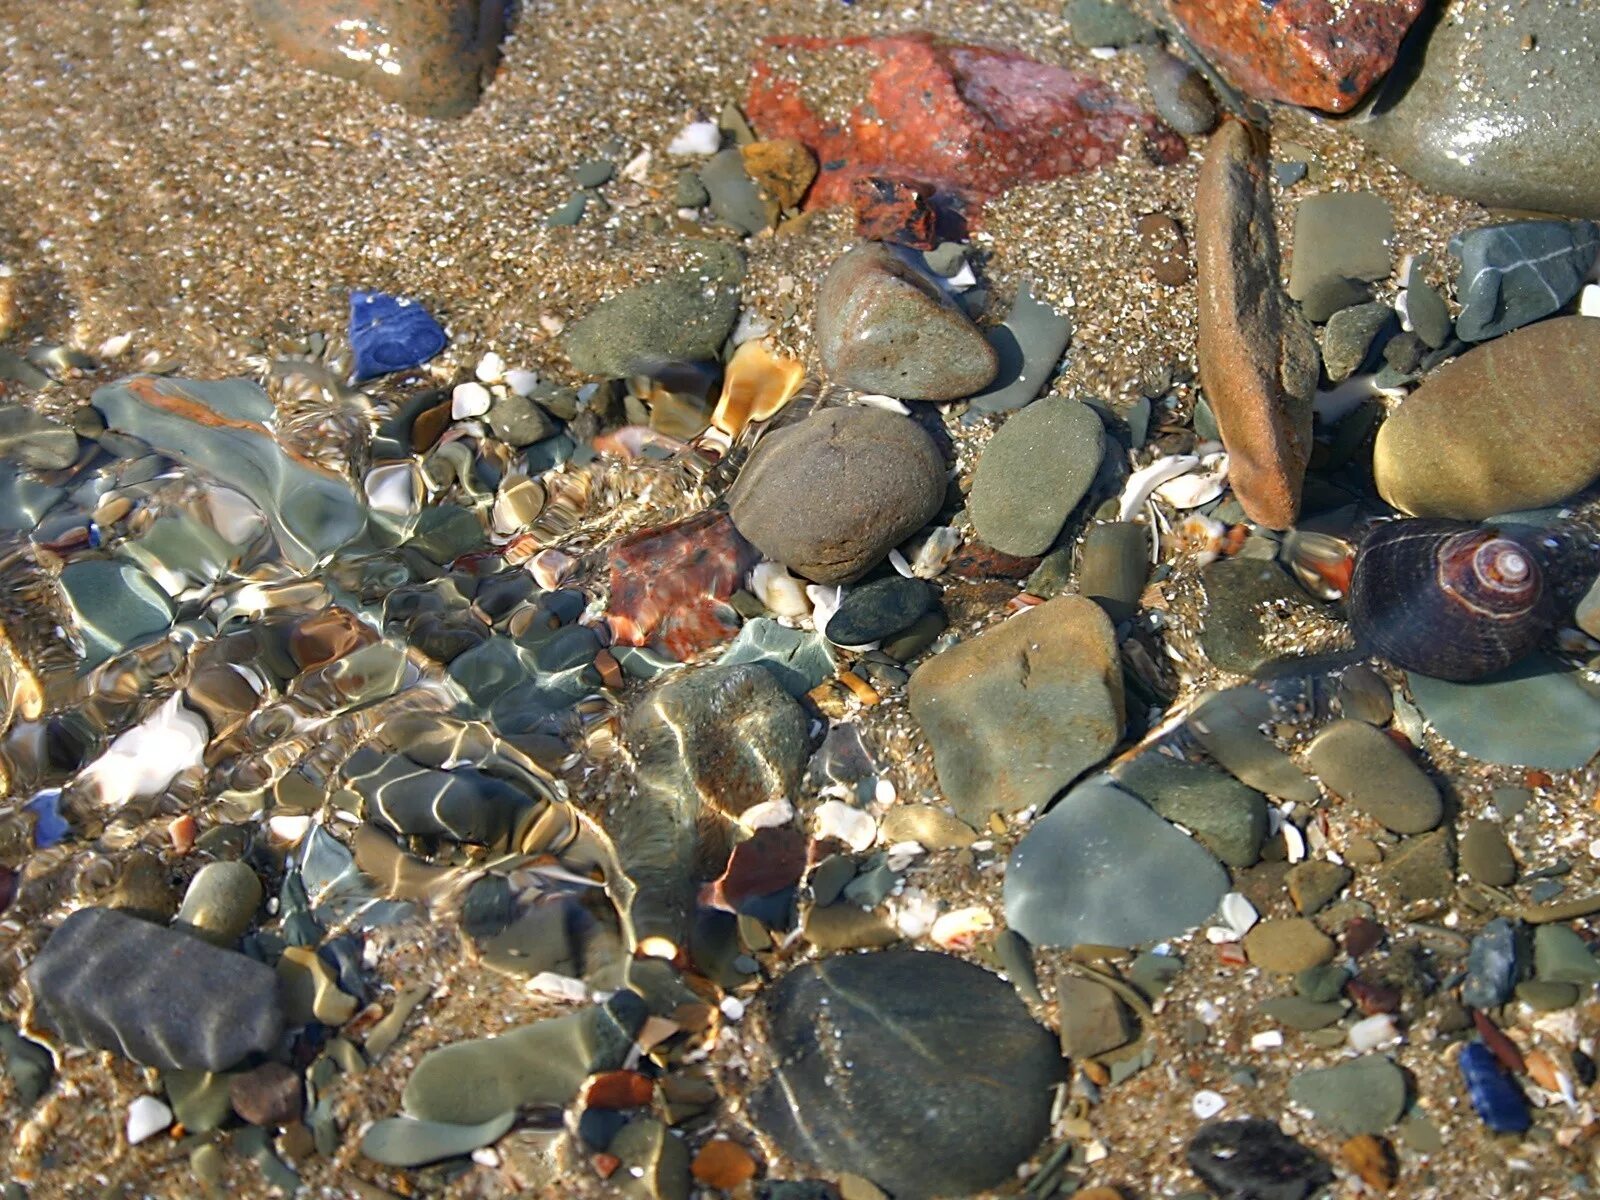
column 769, row 861
column 1362, row 936
column 963, row 123
column 1323, row 54
column 670, row 586
column 889, row 210
column 977, row 561
column 1501, row 1046
column 1373, row 996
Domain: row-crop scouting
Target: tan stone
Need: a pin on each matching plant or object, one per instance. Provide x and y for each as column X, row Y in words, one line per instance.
column 1258, row 356
column 1287, row 945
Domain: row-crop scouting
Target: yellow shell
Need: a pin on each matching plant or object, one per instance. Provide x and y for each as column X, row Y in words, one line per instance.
column 759, row 381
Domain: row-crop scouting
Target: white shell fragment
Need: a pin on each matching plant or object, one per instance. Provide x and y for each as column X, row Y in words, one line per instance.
column 469, row 400
column 521, row 381
column 146, row 759
column 491, row 368
column 1197, row 487
column 1589, row 300
column 1238, row 913
column 696, row 139
column 780, row 591
column 147, row 1117
column 1145, row 480
column 960, row 929
column 1374, row 1033
column 850, row 825
column 1207, row 1104
column 769, row 814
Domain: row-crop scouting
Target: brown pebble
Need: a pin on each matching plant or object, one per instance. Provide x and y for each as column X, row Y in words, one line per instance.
column 723, row 1164
column 1372, row 997
column 605, row 1165
column 1502, row 1047
column 1165, row 248
column 1362, row 936
column 610, row 670
column 182, row 832
column 1485, row 856
column 1287, row 945
column 1373, row 1159
column 618, row 1089
column 269, row 1095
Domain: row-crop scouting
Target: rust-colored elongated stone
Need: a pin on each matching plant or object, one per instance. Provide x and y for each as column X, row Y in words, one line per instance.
column 1323, row 54
column 1258, row 356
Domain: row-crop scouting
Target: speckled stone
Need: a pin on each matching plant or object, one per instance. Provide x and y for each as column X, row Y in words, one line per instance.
column 1032, row 474
column 1229, row 818
column 428, row 57
column 863, row 1048
column 884, row 327
column 221, row 901
column 1485, row 856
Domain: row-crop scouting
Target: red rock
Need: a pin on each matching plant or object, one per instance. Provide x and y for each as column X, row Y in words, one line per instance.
column 1258, row 357
column 977, row 561
column 1373, row 997
column 1323, row 54
column 268, row 1095
column 961, row 123
column 1362, row 936
column 670, row 585
column 888, row 210
column 618, row 1089
column 1501, row 1046
column 769, row 861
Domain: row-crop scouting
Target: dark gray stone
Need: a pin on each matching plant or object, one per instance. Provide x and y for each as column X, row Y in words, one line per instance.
column 920, row 1072
column 1255, row 1160
column 1341, row 243
column 1182, row 98
column 32, row 440
column 1115, row 568
column 156, row 995
column 873, row 611
column 1244, row 598
column 1229, row 818
column 1347, row 339
column 1028, row 343
column 1513, row 274
column 1493, row 964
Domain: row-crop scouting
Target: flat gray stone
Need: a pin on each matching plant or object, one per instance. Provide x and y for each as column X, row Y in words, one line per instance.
column 1365, row 1095
column 156, row 995
column 116, row 605
column 1228, row 725
column 1534, row 715
column 1018, row 712
column 1028, row 344
column 1366, row 767
column 1347, row 339
column 1101, row 867
column 797, row 658
column 1032, row 474
column 1245, row 598
column 920, row 1072
column 1513, row 274
column 1229, row 818
column 1341, row 243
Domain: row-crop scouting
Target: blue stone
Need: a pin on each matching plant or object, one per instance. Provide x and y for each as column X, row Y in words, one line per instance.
column 1492, row 965
column 1496, row 1097
column 50, row 828
column 389, row 334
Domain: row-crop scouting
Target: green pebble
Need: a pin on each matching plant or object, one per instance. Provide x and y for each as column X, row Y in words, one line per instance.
column 1485, row 856
column 1321, row 984
column 594, row 173
column 1365, row 1095
column 1542, row 996
column 1560, row 955
column 1299, row 1013
column 407, row 1142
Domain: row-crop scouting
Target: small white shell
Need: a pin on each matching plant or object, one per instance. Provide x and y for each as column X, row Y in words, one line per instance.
column 696, row 139
column 780, row 591
column 468, row 400
column 769, row 814
column 491, row 368
column 1373, row 1033
column 1207, row 1104
column 958, row 930
column 1146, row 479
column 1197, row 487
column 825, row 600
column 147, row 1117
column 1238, row 913
column 932, row 552
column 849, row 824
column 873, row 400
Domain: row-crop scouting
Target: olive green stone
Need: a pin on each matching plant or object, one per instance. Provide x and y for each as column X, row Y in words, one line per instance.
column 221, row 901
column 1560, row 955
column 847, row 927
column 1544, row 996
column 1366, row 767
column 1287, row 945
column 1227, row 725
column 1321, row 984
column 1297, row 1012
column 1227, row 817
column 927, row 825
column 655, row 1164
column 1246, row 599
column 1422, row 868
column 200, row 1100
column 1366, row 1095
column 115, row 605
column 1093, row 1020
column 1032, row 474
column 1116, row 564
column 1314, row 883
column 407, row 1142
column 1485, row 856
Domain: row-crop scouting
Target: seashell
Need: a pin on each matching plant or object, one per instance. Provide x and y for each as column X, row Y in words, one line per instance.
column 1197, row 487
column 780, row 591
column 1499, row 1102
column 1321, row 562
column 961, row 929
column 1448, row 599
column 931, row 552
column 1145, row 480
column 759, row 381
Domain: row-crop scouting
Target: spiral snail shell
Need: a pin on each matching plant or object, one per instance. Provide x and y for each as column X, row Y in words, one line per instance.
column 1448, row 599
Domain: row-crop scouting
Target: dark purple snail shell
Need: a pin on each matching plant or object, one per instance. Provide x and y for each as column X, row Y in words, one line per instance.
column 1448, row 599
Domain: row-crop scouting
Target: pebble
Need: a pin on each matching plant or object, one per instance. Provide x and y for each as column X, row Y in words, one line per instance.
column 1287, row 945
column 1056, row 440
column 871, row 612
column 221, row 901
column 1503, row 428
column 1514, row 274
column 1348, row 337
column 1115, row 567
column 28, row 1065
column 1245, row 601
column 30, row 439
column 783, row 168
column 709, row 744
column 1493, row 964
column 114, row 605
column 1300, row 51
column 1016, row 713
column 1535, row 714
column 831, row 495
column 408, row 1142
column 1365, row 1095
column 1302, row 1014
column 929, row 826
column 1485, row 856
column 268, row 1095
column 158, row 996
column 884, row 327
column 1475, row 142
column 1373, row 1159
column 873, row 1071
column 1498, row 1100
column 1092, row 1019
column 1166, row 251
column 1182, row 97
column 389, row 334
column 1258, row 358
column 1369, row 770
column 429, row 58
column 847, row 927
column 1027, row 344
column 797, row 658
column 200, row 1099
column 1314, row 884
column 1560, row 955
column 1228, row 724
column 1421, row 868
column 310, row 989
column 1229, row 818
column 1106, row 23
column 1100, row 867
column 735, row 197
column 684, row 316
column 1255, row 1160
column 147, row 1117
column 1341, row 243
column 1543, row 996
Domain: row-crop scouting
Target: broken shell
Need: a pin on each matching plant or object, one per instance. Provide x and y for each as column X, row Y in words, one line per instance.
column 1145, row 480
column 759, row 381
column 1321, row 562
column 932, row 551
column 550, row 568
column 1204, row 537
column 780, row 591
column 1195, row 488
column 960, row 929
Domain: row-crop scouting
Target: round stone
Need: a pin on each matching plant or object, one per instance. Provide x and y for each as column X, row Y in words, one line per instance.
column 1507, row 426
column 1288, row 945
column 831, row 495
column 1033, row 473
column 1366, row 1095
column 879, row 610
column 884, row 327
column 1485, row 856
column 221, row 901
column 920, row 1072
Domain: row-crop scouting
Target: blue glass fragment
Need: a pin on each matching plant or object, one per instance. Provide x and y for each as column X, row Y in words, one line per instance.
column 390, row 334
column 1494, row 1094
column 50, row 828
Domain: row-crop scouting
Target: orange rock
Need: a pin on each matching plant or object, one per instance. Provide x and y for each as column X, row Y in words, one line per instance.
column 183, row 831
column 723, row 1164
column 605, row 1165
column 618, row 1089
column 671, row 584
column 1258, row 357
column 782, row 166
column 1373, row 1159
